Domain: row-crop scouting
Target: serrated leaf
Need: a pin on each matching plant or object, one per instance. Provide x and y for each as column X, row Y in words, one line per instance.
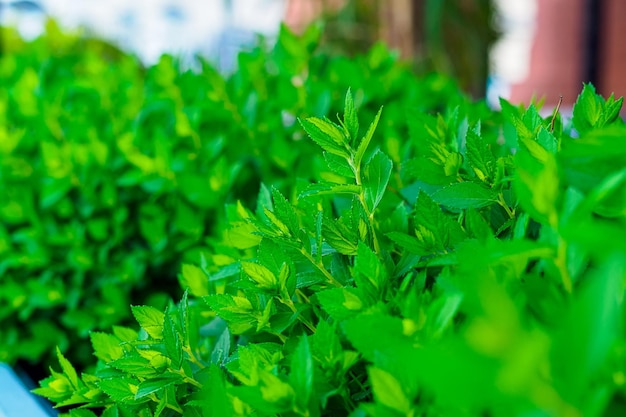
column 464, row 195
column 106, row 347
column 365, row 142
column 171, row 340
column 326, row 135
column 476, row 226
column 120, row 390
column 370, row 274
column 326, row 345
column 151, row 386
column 350, row 119
column 343, row 239
column 611, row 111
column 479, row 155
column 150, row 319
column 183, row 316
column 134, row 364
column 237, row 311
column 68, row 370
column 408, row 242
column 263, row 277
column 324, row 188
column 433, row 228
column 376, row 177
column 221, row 350
column 339, row 165
column 125, row 334
column 285, row 212
column 587, row 109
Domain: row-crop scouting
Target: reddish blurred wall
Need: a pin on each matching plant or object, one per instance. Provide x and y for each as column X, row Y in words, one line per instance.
column 558, row 52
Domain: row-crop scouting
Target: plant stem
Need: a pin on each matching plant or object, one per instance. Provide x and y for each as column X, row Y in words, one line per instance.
column 186, row 379
column 331, row 280
column 561, row 263
column 505, row 206
column 289, row 303
column 192, row 357
column 173, row 407
column 369, row 215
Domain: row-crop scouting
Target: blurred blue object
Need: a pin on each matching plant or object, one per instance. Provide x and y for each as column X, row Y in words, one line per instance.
column 16, row 400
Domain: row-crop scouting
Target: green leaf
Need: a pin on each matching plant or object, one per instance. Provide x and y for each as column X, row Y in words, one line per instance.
column 68, row 370
column 537, row 187
column 106, row 347
column 435, row 230
column 119, row 389
column 376, row 177
column 263, row 277
column 342, row 238
column 237, row 311
column 341, row 303
column 154, row 385
column 195, row 280
column 338, row 165
column 134, row 364
column 171, row 339
column 370, row 274
column 301, row 375
column 221, row 350
column 365, row 142
column 388, row 390
column 324, row 188
column 150, row 319
column 426, row 170
column 476, row 226
column 411, row 243
column 464, row 195
column 285, row 212
column 479, row 155
column 611, row 111
column 326, row 135
column 350, row 119
column 587, row 109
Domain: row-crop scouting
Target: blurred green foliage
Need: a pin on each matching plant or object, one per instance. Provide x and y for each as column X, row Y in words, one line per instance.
column 112, row 173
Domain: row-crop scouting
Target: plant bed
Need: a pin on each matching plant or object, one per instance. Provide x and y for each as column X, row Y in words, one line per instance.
column 480, row 273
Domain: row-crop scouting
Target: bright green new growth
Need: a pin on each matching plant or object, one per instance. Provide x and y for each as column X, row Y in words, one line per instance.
column 465, row 281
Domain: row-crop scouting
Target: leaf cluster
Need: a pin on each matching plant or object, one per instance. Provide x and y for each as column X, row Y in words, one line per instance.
column 483, row 274
column 113, row 173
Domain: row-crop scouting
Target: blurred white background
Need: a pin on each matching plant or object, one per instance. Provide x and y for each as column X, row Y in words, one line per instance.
column 219, row 29
column 214, row 28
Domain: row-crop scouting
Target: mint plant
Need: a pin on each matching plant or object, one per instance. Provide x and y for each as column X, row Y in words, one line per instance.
column 113, row 173
column 482, row 275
